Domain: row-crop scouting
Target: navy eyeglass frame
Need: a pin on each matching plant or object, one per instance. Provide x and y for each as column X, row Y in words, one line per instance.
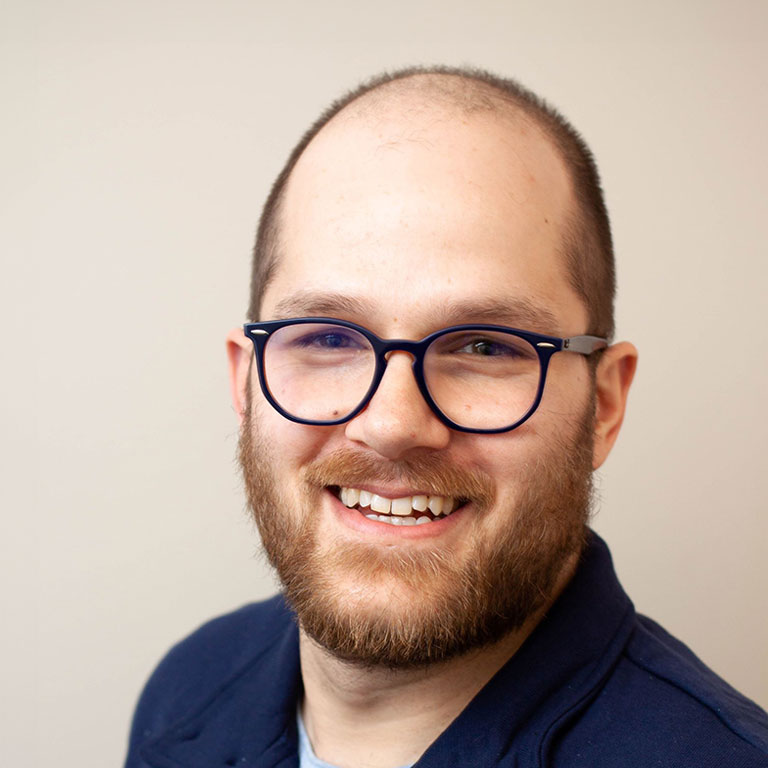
column 545, row 347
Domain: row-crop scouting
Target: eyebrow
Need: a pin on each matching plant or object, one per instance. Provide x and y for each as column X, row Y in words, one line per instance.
column 521, row 313
column 309, row 303
column 516, row 312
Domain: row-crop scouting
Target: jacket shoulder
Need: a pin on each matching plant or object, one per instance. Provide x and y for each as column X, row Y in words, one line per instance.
column 695, row 687
column 661, row 705
column 199, row 666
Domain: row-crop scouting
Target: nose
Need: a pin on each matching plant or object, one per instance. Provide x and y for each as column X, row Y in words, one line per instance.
column 398, row 419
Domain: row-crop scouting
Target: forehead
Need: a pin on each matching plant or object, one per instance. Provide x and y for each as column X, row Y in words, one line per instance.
column 409, row 213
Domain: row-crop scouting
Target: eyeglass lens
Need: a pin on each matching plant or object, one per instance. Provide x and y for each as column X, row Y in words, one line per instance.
column 478, row 379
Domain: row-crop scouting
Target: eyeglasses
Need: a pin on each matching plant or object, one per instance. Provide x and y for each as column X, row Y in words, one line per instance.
column 476, row 378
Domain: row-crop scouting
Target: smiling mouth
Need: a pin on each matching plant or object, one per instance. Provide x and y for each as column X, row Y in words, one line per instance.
column 407, row 510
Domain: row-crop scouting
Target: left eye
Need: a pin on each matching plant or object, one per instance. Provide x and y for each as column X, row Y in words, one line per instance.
column 487, row 348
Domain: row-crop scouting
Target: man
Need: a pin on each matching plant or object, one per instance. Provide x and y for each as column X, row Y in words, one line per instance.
column 431, row 389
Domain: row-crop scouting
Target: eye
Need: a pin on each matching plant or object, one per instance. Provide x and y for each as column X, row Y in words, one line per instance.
column 488, row 347
column 329, row 339
column 480, row 347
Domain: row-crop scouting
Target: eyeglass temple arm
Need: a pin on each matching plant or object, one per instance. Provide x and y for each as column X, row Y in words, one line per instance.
column 584, row 345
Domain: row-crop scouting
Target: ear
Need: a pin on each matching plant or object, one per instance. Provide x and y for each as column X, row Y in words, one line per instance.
column 239, row 356
column 614, row 375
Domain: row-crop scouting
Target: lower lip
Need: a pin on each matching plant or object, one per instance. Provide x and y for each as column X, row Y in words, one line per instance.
column 354, row 519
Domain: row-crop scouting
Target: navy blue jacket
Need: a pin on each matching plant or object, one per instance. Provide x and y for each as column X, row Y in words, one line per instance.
column 595, row 685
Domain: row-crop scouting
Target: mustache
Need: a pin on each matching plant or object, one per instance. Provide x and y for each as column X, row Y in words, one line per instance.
column 422, row 472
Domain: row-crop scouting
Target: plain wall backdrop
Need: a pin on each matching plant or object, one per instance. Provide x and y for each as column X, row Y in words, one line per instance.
column 139, row 140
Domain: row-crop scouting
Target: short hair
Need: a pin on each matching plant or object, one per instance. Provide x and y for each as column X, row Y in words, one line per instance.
column 587, row 246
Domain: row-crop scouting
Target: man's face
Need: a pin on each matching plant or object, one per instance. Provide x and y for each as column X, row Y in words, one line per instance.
column 405, row 226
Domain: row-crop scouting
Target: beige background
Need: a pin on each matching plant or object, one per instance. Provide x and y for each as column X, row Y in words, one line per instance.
column 138, row 143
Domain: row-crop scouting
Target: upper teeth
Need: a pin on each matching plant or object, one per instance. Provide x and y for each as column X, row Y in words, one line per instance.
column 403, row 507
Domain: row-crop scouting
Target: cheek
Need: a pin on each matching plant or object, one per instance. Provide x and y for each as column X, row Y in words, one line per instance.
column 513, row 458
column 566, row 394
column 291, row 445
column 503, row 457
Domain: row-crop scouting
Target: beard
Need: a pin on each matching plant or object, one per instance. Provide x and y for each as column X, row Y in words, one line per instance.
column 440, row 604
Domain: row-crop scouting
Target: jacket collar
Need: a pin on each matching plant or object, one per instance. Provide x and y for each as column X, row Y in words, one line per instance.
column 251, row 720
column 515, row 718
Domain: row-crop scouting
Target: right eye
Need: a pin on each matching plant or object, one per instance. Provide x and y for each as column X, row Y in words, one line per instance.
column 327, row 339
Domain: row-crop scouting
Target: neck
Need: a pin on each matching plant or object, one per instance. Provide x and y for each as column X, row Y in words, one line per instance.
column 371, row 717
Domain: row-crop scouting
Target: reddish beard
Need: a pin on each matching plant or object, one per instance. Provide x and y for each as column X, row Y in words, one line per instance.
column 441, row 606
